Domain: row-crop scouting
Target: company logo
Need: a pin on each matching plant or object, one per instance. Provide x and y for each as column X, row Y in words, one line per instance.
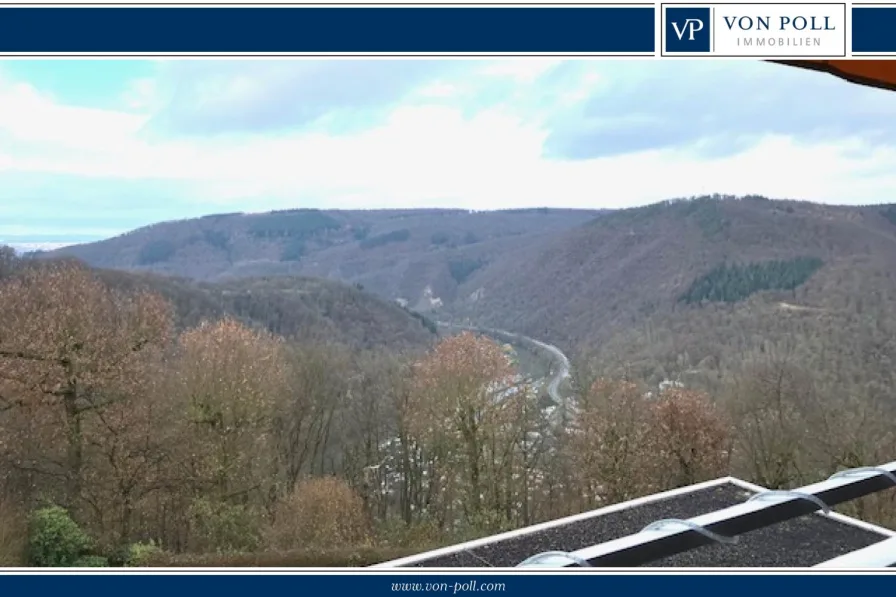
column 687, row 29
column 692, row 26
column 758, row 30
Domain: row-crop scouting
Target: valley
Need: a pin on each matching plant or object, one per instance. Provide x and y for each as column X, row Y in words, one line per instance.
column 428, row 376
column 616, row 289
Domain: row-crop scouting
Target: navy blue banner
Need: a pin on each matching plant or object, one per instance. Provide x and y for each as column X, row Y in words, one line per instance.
column 593, row 582
column 874, row 29
column 328, row 30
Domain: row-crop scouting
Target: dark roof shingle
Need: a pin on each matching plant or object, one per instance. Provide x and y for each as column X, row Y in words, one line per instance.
column 800, row 542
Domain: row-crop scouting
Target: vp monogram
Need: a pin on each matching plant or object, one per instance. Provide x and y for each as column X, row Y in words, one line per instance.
column 690, row 27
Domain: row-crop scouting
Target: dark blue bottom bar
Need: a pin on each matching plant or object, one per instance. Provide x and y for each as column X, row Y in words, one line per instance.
column 520, row 583
column 355, row 30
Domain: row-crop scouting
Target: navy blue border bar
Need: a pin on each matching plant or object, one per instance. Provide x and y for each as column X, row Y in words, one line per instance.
column 874, row 29
column 420, row 30
column 460, row 584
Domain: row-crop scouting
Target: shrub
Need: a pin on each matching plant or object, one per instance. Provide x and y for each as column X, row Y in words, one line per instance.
column 223, row 527
column 54, row 539
column 320, row 513
column 91, row 562
column 139, row 554
column 421, row 535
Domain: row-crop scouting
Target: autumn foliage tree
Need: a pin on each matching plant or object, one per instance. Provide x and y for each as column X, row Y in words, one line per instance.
column 689, row 439
column 323, row 512
column 461, row 397
column 223, row 437
column 609, row 443
column 230, row 378
column 71, row 350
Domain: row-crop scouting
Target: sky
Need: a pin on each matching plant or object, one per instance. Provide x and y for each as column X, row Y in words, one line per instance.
column 93, row 148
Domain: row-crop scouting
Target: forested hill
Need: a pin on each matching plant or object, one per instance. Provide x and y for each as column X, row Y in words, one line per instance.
column 308, row 309
column 741, row 337
column 305, row 309
column 703, row 285
column 415, row 255
column 687, row 285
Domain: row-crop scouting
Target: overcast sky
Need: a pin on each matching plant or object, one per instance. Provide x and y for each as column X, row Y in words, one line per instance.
column 90, row 149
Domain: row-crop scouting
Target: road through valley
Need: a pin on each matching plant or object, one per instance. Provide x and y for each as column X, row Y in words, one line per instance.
column 560, row 363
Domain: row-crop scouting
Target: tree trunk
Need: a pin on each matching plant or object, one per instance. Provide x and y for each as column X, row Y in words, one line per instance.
column 74, row 448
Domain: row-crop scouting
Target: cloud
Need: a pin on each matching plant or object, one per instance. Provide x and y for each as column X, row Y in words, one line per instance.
column 203, row 98
column 212, row 97
column 715, row 108
column 256, row 136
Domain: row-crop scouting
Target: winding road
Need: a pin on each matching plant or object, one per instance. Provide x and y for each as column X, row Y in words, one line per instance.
column 559, row 368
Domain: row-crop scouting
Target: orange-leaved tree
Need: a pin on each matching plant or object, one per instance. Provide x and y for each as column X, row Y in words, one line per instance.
column 689, row 438
column 70, row 348
column 609, row 443
column 458, row 407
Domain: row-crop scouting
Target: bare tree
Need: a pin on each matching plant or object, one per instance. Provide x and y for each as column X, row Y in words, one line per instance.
column 608, row 443
column 768, row 402
column 318, row 379
column 230, row 378
column 69, row 348
column 689, row 440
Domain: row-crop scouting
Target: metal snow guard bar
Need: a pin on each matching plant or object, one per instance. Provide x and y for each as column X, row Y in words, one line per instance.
column 653, row 544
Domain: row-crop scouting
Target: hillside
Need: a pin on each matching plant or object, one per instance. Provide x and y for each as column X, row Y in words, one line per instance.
column 775, row 318
column 420, row 256
column 304, row 309
column 293, row 307
column 702, row 285
column 695, row 287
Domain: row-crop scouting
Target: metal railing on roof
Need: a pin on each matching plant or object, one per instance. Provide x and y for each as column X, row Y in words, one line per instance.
column 761, row 510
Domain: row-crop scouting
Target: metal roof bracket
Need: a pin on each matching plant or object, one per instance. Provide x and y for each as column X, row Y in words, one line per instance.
column 862, row 470
column 554, row 559
column 659, row 524
column 785, row 493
